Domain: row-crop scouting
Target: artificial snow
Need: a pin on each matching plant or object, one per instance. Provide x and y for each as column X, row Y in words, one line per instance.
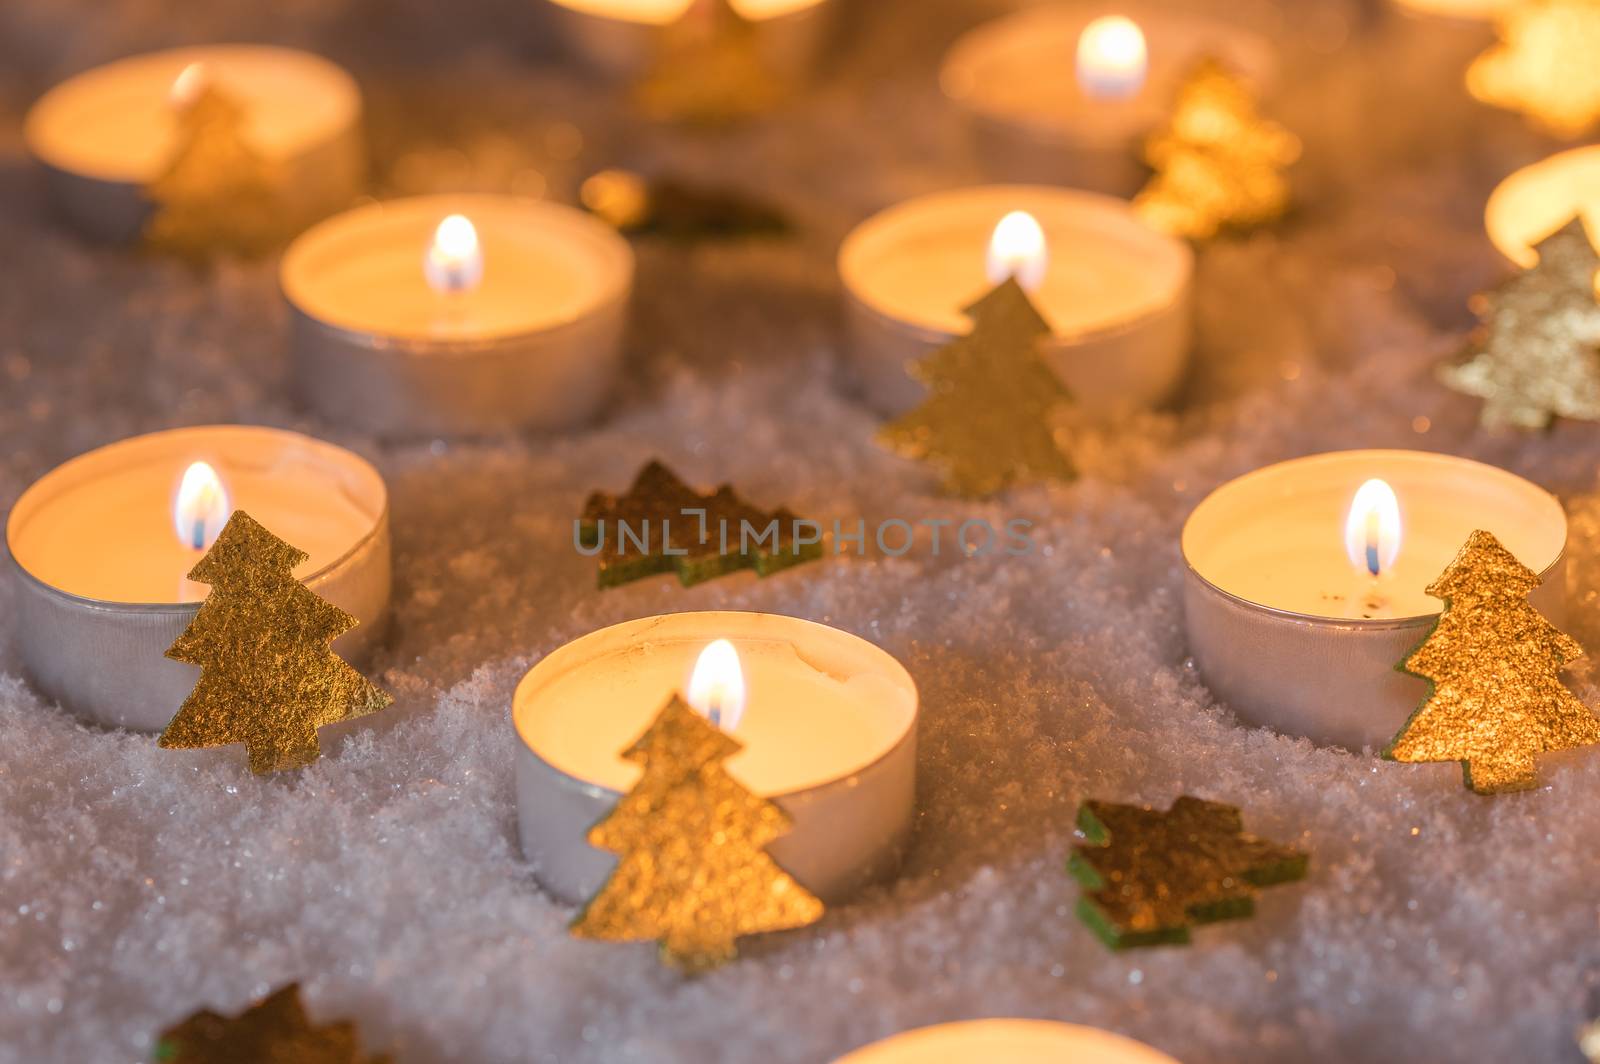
column 138, row 884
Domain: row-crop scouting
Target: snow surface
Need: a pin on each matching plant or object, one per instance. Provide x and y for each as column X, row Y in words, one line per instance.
column 138, row 884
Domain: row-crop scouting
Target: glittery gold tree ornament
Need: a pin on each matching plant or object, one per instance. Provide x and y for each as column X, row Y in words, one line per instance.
column 216, row 191
column 1537, row 354
column 1149, row 874
column 709, row 69
column 1493, row 664
column 261, row 638
column 693, row 871
column 1218, row 164
column 1546, row 64
column 275, row 1030
column 989, row 419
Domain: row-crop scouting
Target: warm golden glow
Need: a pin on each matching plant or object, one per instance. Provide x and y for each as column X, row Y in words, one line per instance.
column 1372, row 530
column 716, row 687
column 188, row 85
column 201, row 507
column 1112, row 58
column 454, row 262
column 1017, row 249
column 661, row 12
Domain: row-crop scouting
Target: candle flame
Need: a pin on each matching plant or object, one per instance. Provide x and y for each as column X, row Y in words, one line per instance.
column 1112, row 58
column 1018, row 249
column 1372, row 530
column 201, row 507
column 716, row 687
column 454, row 262
column 188, row 85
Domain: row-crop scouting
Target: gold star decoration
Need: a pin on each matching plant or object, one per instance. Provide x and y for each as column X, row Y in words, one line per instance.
column 693, row 871
column 1493, row 664
column 662, row 525
column 1537, row 354
column 216, row 191
column 988, row 421
column 1546, row 64
column 274, row 1030
column 1147, row 875
column 261, row 638
column 709, row 69
column 1218, row 164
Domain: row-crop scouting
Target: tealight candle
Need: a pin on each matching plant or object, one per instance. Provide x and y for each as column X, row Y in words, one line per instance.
column 1065, row 93
column 1538, row 199
column 104, row 135
column 1306, row 581
column 1007, row 1041
column 827, row 722
column 457, row 315
column 622, row 38
column 1115, row 292
column 102, row 545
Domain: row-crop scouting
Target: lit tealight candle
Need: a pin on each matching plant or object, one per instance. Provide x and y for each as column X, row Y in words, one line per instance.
column 1115, row 292
column 1307, row 580
column 106, row 134
column 624, row 37
column 1007, row 1042
column 102, row 546
column 458, row 315
column 826, row 720
column 1538, row 199
column 1038, row 115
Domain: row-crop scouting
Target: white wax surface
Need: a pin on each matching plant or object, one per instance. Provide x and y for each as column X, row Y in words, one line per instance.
column 1275, row 537
column 1465, row 9
column 924, row 260
column 101, row 527
column 1022, row 68
column 1007, row 1042
column 660, row 12
column 801, row 726
column 1539, row 199
column 543, row 265
column 117, row 122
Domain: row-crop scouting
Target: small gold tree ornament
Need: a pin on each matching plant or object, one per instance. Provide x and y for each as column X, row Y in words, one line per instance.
column 710, row 69
column 1544, row 65
column 693, row 871
column 274, row 1030
column 1218, row 164
column 268, row 678
column 1495, row 697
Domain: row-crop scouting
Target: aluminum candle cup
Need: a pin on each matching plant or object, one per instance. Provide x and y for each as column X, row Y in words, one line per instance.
column 829, row 734
column 1115, row 292
column 1293, row 635
column 1006, row 1042
column 104, row 135
column 101, row 588
column 1538, row 199
column 1046, row 102
column 624, row 38
column 406, row 327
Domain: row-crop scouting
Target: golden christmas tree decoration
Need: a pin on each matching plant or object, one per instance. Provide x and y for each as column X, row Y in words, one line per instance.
column 1537, row 354
column 1493, row 664
column 261, row 638
column 989, row 419
column 275, row 1030
column 1546, row 65
column 709, row 69
column 1218, row 164
column 1149, row 874
column 216, row 191
column 693, row 870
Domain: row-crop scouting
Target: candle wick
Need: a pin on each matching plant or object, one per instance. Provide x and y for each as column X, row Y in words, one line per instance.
column 714, row 713
column 1372, row 559
column 198, row 538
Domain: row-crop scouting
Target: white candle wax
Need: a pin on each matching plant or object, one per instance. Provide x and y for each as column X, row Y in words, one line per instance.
column 530, row 338
column 1475, row 10
column 1291, row 632
column 1538, row 199
column 1038, row 115
column 102, row 592
column 1006, row 1042
column 112, row 130
column 828, row 732
column 1115, row 292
